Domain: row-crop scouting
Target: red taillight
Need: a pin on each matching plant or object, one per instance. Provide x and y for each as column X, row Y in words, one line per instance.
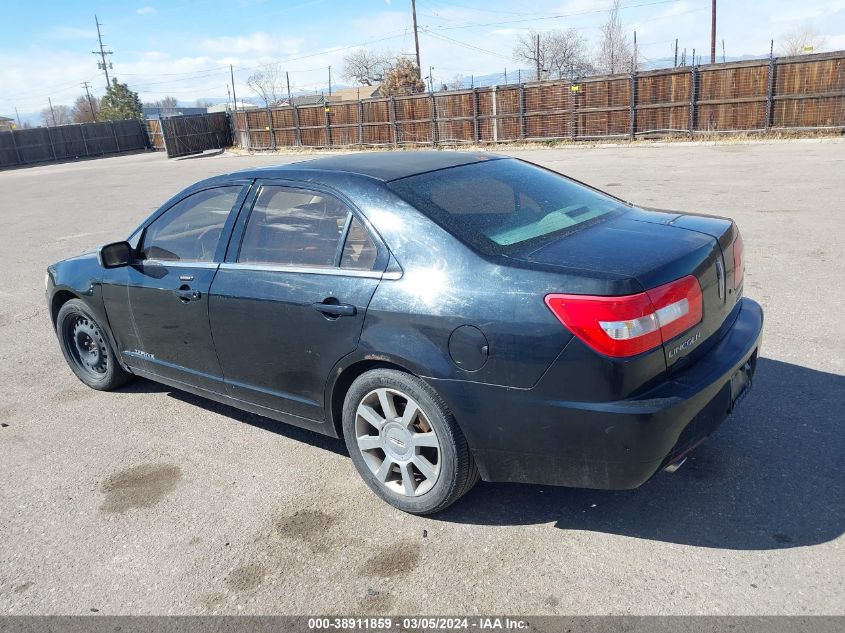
column 739, row 261
column 631, row 324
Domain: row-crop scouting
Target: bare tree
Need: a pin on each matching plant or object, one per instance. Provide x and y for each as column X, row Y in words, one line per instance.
column 527, row 50
column 562, row 53
column 403, row 79
column 568, row 55
column 615, row 54
column 57, row 115
column 85, row 111
column 367, row 67
column 456, row 83
column 800, row 40
column 269, row 83
column 167, row 106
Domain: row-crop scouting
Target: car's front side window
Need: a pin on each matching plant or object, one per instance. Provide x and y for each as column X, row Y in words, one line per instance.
column 293, row 227
column 191, row 229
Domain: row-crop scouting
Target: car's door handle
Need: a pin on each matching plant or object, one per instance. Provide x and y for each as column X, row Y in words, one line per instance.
column 186, row 294
column 335, row 309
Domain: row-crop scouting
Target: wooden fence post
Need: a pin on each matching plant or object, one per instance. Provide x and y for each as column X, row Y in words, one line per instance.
column 82, row 134
column 392, row 115
column 433, row 108
column 297, row 132
column 17, row 151
column 327, row 116
column 770, row 94
column 495, row 117
column 693, row 99
column 475, row 135
column 114, row 133
column 52, row 147
column 573, row 115
column 522, row 111
column 632, row 132
column 360, row 122
column 272, row 128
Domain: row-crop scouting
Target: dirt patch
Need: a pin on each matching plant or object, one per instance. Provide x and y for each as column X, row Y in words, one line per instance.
column 139, row 487
column 308, row 526
column 394, row 560
column 246, row 578
column 23, row 587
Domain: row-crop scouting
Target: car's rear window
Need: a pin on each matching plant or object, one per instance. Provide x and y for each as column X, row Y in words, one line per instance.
column 498, row 204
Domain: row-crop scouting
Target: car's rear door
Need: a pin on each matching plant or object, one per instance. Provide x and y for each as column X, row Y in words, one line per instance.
column 289, row 301
column 168, row 282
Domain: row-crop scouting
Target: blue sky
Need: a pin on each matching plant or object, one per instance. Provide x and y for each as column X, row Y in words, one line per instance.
column 184, row 48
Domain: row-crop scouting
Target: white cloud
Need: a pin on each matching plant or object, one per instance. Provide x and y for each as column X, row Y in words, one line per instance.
column 260, row 43
column 147, row 11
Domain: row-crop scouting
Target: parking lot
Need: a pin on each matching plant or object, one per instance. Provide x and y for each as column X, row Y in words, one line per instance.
column 152, row 501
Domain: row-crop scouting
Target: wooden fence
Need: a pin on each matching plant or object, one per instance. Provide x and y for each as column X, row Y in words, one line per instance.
column 67, row 142
column 757, row 95
column 190, row 134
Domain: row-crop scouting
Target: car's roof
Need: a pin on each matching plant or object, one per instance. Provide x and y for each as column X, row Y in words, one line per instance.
column 383, row 166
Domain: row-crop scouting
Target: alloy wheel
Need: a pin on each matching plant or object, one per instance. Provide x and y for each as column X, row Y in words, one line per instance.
column 397, row 441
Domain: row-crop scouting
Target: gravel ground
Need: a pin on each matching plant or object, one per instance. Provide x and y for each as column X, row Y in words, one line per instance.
column 151, row 501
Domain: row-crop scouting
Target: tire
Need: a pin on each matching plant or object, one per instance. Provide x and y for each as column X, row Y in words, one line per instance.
column 86, row 348
column 416, row 458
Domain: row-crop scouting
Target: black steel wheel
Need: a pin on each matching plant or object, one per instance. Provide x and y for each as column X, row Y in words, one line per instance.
column 86, row 348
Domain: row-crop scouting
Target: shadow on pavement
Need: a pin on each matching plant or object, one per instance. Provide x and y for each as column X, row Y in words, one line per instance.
column 771, row 477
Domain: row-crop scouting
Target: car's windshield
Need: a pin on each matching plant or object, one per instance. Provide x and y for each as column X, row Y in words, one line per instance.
column 502, row 203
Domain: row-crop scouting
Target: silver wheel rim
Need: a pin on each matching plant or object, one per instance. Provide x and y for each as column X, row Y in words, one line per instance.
column 398, row 443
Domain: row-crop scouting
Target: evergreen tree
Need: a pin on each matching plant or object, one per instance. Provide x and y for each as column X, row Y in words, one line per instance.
column 120, row 103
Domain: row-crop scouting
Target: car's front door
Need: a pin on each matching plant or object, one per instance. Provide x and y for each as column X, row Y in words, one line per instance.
column 168, row 284
column 289, row 301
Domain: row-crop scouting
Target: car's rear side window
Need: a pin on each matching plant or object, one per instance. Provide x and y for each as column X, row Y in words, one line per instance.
column 498, row 204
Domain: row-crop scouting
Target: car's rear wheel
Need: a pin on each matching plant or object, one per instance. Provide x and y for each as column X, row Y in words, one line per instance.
column 86, row 348
column 405, row 442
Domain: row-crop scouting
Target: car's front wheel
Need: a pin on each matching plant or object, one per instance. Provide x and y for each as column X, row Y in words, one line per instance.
column 86, row 348
column 405, row 442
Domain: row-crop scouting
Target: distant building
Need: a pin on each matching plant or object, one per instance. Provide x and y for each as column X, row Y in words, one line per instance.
column 353, row 94
column 154, row 112
column 228, row 107
column 6, row 124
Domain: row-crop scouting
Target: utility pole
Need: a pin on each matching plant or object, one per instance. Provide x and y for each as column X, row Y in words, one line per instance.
column 537, row 56
column 330, row 81
column 431, row 78
column 228, row 98
column 90, row 103
column 713, row 35
column 17, row 116
column 634, row 64
column 52, row 112
column 723, row 51
column 102, row 53
column 234, row 94
column 676, row 52
column 287, row 79
column 416, row 35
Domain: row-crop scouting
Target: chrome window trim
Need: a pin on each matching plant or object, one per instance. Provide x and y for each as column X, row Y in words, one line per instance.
column 175, row 263
column 312, row 270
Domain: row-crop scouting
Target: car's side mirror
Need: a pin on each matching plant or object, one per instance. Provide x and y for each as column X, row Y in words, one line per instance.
column 116, row 255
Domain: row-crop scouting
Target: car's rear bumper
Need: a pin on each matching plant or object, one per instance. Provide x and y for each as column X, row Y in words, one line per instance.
column 521, row 435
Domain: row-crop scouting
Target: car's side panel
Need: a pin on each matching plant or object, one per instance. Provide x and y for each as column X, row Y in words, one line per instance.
column 275, row 348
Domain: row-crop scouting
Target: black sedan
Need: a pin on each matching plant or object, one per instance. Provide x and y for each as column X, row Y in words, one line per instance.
column 452, row 316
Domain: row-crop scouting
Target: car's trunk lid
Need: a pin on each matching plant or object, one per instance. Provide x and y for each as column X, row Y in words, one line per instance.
column 655, row 248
